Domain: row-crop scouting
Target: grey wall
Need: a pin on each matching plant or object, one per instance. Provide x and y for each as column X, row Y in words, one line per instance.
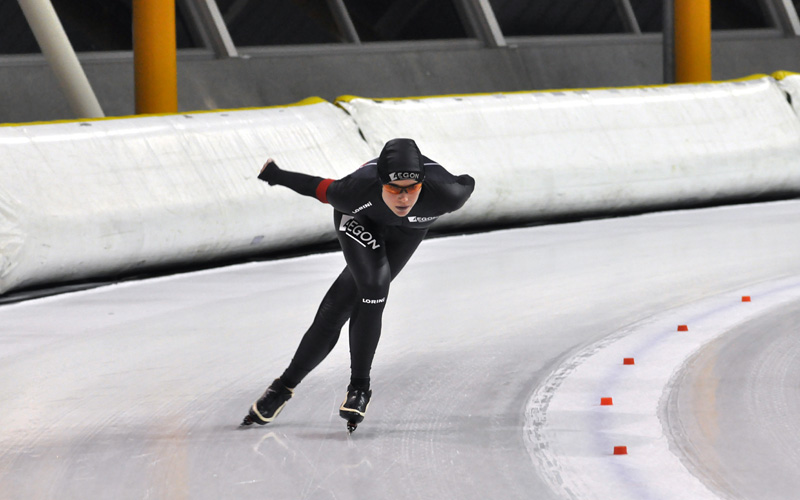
column 29, row 91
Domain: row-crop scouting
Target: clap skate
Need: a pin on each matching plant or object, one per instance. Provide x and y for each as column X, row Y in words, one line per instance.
column 269, row 405
column 355, row 407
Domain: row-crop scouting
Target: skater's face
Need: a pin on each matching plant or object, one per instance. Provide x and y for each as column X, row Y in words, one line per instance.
column 400, row 196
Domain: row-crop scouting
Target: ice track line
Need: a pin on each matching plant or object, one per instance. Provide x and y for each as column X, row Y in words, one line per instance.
column 595, row 427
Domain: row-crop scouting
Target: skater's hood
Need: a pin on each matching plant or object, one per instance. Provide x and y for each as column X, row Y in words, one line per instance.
column 400, row 160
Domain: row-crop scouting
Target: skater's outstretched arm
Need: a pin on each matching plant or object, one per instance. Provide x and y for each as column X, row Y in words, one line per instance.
column 307, row 185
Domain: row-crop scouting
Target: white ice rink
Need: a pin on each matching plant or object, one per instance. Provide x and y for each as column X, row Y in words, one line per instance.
column 496, row 350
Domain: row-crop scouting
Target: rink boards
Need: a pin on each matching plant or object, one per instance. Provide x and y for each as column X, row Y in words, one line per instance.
column 84, row 199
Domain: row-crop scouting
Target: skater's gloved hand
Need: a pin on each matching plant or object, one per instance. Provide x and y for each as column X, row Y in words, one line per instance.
column 269, row 172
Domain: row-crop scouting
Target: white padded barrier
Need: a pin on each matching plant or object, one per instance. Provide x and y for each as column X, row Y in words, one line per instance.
column 98, row 198
column 83, row 199
column 544, row 154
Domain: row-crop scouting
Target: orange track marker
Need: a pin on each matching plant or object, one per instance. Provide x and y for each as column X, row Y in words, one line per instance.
column 683, row 328
column 606, row 401
column 627, row 361
column 620, row 450
column 745, row 298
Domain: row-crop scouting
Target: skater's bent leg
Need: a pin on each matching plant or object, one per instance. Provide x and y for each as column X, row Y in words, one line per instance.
column 322, row 335
column 372, row 267
column 366, row 321
column 373, row 281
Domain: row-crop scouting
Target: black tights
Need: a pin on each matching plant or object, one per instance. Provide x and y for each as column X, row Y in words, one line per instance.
column 374, row 257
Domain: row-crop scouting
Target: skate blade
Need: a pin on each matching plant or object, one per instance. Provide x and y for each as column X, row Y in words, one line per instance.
column 248, row 420
column 351, row 426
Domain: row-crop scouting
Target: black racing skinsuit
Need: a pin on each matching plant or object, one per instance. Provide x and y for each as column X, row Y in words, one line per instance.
column 376, row 244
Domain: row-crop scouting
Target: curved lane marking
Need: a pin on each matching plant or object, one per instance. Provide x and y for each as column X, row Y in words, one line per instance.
column 571, row 437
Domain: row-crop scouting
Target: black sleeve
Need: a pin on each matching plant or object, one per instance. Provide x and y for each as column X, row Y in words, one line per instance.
column 465, row 185
column 454, row 194
column 350, row 192
column 300, row 183
column 450, row 191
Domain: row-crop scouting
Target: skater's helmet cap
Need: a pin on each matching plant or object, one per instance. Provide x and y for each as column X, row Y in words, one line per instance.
column 400, row 160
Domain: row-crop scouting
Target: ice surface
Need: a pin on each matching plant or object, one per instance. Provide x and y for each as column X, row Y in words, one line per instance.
column 136, row 390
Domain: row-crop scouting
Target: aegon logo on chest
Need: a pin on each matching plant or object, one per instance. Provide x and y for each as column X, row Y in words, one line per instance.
column 353, row 229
